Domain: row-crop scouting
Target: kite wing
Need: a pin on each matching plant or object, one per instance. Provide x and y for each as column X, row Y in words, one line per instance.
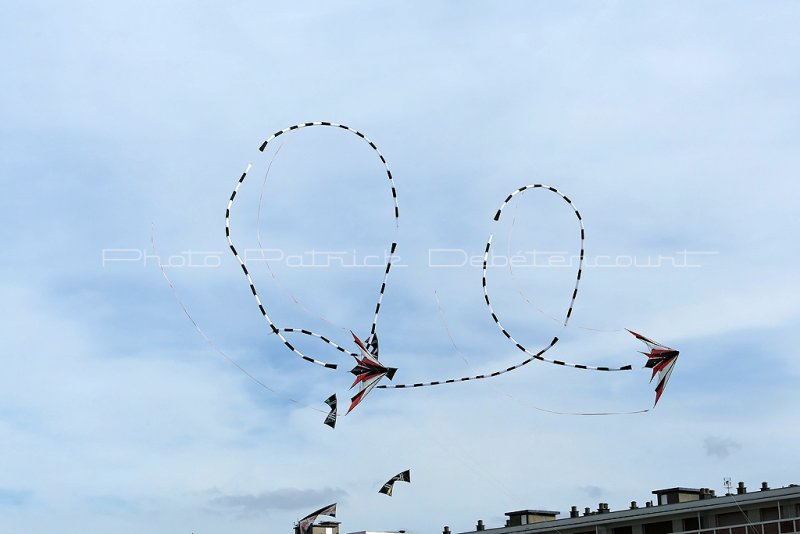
column 387, row 488
column 308, row 520
column 368, row 369
column 330, row 420
column 661, row 359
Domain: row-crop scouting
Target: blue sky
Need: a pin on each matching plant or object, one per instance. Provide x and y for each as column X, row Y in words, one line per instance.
column 672, row 126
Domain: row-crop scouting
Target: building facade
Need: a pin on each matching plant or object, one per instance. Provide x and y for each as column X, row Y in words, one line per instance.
column 674, row 510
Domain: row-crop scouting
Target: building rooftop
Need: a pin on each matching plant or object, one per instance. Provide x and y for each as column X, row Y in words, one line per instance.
column 672, row 503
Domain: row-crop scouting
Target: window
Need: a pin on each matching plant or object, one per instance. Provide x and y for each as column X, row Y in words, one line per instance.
column 662, row 527
column 732, row 518
column 691, row 523
column 768, row 514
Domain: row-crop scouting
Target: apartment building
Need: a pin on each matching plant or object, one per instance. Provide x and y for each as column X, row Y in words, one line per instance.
column 674, row 510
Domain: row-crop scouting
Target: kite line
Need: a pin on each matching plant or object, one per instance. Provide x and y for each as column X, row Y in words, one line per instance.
column 208, row 340
column 529, row 300
column 273, row 327
column 509, row 395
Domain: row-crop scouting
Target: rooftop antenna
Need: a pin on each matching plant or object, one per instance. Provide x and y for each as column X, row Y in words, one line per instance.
column 728, row 484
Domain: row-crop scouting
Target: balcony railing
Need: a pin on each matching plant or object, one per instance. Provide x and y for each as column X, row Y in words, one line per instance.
column 781, row 526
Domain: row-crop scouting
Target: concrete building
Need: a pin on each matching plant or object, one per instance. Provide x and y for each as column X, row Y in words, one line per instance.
column 675, row 510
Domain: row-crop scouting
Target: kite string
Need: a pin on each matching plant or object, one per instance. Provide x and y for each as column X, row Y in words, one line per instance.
column 746, row 517
column 455, row 347
column 518, row 288
column 443, row 318
column 266, row 261
column 207, row 339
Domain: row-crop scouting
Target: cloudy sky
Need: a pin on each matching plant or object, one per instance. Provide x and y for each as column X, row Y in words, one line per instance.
column 672, row 126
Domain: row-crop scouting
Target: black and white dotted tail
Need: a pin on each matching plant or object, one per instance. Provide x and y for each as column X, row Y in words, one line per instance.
column 567, row 316
column 537, row 356
column 273, row 327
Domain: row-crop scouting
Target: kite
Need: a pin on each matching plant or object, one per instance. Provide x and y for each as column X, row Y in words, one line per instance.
column 330, row 420
column 308, row 521
column 387, row 488
column 368, row 369
column 661, row 359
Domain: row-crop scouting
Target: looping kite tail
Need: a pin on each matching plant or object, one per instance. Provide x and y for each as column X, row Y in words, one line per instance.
column 538, row 356
column 273, row 327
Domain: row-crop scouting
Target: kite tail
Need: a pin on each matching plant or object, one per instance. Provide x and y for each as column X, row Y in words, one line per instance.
column 383, row 287
column 275, row 278
column 537, row 356
column 275, row 329
column 505, row 332
column 321, row 337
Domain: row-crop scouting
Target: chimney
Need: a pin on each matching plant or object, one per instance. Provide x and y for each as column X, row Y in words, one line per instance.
column 740, row 489
column 648, row 504
column 587, row 511
column 634, row 506
column 573, row 512
column 706, row 493
column 446, row 530
column 480, row 526
column 764, row 486
column 602, row 508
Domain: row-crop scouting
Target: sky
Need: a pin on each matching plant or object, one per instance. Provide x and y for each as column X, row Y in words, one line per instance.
column 673, row 127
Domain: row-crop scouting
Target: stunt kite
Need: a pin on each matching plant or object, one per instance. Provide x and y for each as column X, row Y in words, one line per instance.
column 330, row 420
column 368, row 369
column 661, row 359
column 307, row 522
column 387, row 488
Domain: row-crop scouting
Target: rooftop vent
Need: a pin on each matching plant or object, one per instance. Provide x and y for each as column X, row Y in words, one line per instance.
column 706, row 493
column 740, row 489
column 573, row 512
